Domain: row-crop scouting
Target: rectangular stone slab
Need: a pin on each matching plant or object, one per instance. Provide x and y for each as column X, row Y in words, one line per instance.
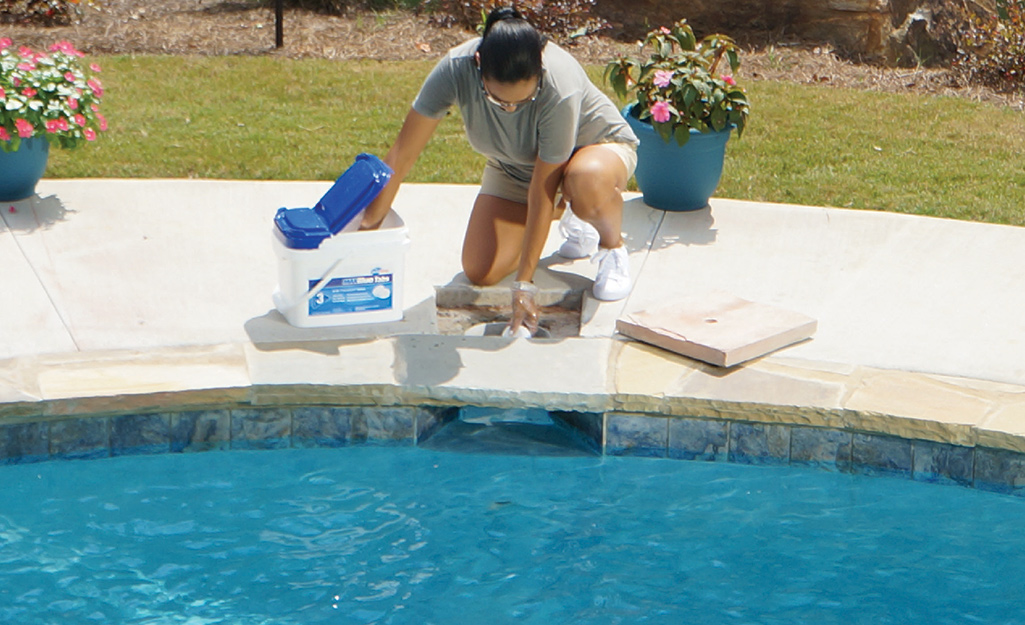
column 717, row 327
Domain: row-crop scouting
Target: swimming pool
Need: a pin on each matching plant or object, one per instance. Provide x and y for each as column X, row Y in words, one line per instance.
column 372, row 534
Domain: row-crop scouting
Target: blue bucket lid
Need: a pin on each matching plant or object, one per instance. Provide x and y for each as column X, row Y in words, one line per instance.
column 300, row 228
column 353, row 191
column 305, row 228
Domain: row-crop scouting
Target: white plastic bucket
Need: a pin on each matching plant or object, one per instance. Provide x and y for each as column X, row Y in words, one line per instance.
column 353, row 277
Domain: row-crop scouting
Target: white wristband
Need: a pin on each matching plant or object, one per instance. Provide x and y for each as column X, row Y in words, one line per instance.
column 522, row 285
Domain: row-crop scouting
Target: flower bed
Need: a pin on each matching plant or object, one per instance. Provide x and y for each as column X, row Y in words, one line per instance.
column 48, row 94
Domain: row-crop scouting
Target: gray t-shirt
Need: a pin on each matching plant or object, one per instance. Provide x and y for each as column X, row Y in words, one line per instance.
column 569, row 112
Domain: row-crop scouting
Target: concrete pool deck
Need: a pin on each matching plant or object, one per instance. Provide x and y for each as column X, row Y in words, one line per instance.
column 133, row 296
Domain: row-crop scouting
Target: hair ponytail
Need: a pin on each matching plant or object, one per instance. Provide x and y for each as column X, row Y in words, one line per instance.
column 510, row 49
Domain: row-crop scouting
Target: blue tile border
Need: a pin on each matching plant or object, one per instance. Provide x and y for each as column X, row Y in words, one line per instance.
column 102, row 436
column 24, row 442
column 999, row 471
column 940, row 463
column 394, row 425
column 707, row 439
column 821, row 448
column 323, row 426
column 140, row 434
column 636, row 435
column 80, row 438
column 699, row 439
column 261, row 428
column 759, row 443
column 613, row 433
column 881, row 455
column 200, row 430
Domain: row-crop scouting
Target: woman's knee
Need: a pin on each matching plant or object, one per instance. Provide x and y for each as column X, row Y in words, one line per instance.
column 481, row 273
column 593, row 179
column 493, row 240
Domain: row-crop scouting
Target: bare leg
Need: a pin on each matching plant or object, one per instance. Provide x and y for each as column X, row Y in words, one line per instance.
column 494, row 239
column 593, row 185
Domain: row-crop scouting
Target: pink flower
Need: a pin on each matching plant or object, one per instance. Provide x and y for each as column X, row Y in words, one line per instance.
column 3, row 94
column 90, row 134
column 28, row 92
column 26, row 52
column 4, row 135
column 24, row 128
column 55, row 125
column 102, row 120
column 663, row 77
column 96, row 87
column 5, row 42
column 66, row 47
column 665, row 31
column 73, row 103
column 660, row 112
column 80, row 119
column 27, row 66
column 95, row 67
column 729, row 80
column 68, row 76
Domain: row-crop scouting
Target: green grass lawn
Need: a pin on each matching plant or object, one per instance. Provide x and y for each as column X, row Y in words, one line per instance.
column 268, row 118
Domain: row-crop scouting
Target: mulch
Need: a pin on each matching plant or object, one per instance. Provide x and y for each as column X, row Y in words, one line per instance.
column 241, row 27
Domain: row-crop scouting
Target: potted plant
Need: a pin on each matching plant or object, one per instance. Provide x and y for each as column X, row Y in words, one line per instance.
column 687, row 103
column 45, row 98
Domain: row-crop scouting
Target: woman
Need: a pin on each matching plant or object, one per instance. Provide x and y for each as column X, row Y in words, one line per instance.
column 529, row 107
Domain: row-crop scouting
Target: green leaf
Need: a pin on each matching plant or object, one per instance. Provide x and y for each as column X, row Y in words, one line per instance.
column 690, row 95
column 684, row 35
column 665, row 130
column 734, row 59
column 616, row 75
column 682, row 135
column 718, row 119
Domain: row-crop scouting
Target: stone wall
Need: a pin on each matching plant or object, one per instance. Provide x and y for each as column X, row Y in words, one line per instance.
column 889, row 30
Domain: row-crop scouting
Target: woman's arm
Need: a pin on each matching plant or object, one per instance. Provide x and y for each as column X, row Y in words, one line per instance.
column 416, row 132
column 540, row 208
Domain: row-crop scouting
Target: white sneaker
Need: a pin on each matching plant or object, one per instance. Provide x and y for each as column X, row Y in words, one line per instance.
column 581, row 237
column 613, row 280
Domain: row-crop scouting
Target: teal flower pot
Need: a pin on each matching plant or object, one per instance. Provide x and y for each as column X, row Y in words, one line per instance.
column 21, row 170
column 673, row 177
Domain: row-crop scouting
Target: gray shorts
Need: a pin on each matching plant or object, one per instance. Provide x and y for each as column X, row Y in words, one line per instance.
column 500, row 184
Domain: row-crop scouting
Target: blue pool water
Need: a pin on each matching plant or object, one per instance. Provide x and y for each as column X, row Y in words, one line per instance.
column 409, row 535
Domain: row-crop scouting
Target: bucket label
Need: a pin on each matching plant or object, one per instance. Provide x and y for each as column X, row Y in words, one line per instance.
column 353, row 294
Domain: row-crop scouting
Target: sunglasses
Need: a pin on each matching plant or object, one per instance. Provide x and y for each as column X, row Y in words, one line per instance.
column 509, row 106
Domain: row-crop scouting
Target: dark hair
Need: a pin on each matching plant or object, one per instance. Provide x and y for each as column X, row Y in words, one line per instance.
column 510, row 49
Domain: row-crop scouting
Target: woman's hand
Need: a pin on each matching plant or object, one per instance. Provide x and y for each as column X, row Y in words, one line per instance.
column 525, row 312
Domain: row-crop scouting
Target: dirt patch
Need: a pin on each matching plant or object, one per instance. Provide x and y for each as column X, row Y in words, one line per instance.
column 559, row 322
column 239, row 27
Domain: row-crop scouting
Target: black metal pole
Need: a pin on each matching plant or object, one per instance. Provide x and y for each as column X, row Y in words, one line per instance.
column 279, row 27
